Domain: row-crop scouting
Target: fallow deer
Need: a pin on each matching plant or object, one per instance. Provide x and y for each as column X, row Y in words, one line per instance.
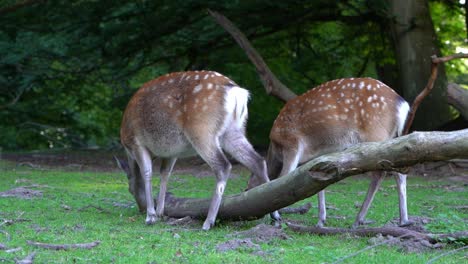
column 332, row 117
column 183, row 114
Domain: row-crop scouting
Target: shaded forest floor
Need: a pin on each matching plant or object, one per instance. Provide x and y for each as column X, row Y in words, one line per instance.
column 103, row 161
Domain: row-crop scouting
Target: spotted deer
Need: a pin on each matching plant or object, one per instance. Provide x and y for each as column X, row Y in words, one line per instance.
column 183, row 114
column 332, row 117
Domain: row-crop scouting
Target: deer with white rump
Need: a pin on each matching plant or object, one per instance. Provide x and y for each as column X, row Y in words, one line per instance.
column 332, row 117
column 180, row 115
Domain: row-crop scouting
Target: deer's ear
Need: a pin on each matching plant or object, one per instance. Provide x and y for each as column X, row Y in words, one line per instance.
column 122, row 164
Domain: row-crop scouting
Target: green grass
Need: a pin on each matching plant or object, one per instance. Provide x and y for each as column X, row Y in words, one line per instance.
column 78, row 207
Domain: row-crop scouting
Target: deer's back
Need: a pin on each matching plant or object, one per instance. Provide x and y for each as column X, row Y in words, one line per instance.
column 164, row 111
column 337, row 114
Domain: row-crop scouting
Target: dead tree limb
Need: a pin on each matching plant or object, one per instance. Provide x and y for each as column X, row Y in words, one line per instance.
column 64, row 246
column 272, row 85
column 317, row 174
column 430, row 84
column 362, row 232
column 458, row 98
column 29, row 259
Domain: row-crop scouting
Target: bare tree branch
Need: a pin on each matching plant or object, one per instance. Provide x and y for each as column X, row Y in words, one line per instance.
column 64, row 246
column 270, row 82
column 362, row 232
column 430, row 84
column 29, row 259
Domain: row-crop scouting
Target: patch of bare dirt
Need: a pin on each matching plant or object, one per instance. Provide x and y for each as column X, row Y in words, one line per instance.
column 262, row 233
column 234, row 244
column 405, row 245
column 24, row 192
column 249, row 239
column 418, row 223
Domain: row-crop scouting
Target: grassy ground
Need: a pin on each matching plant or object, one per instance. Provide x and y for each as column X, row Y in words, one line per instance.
column 82, row 207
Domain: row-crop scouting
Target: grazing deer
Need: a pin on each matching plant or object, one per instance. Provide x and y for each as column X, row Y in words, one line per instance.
column 332, row 117
column 183, row 114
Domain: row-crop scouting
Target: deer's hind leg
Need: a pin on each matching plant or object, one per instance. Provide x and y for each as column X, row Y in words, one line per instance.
column 143, row 159
column 167, row 164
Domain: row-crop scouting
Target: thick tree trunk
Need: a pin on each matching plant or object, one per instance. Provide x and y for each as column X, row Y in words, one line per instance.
column 317, row 174
column 415, row 42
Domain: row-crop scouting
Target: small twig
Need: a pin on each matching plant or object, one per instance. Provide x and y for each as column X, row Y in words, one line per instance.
column 64, row 246
column 6, row 234
column 11, row 250
column 27, row 260
column 446, row 254
column 450, row 57
column 367, row 248
column 100, row 209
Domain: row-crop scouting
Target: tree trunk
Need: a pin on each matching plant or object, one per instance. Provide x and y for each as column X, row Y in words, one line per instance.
column 458, row 98
column 415, row 41
column 319, row 173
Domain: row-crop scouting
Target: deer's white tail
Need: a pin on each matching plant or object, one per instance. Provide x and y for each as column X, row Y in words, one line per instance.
column 403, row 110
column 236, row 105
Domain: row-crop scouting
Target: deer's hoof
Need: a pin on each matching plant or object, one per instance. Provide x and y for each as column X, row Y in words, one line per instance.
column 406, row 223
column 151, row 219
column 362, row 223
column 207, row 225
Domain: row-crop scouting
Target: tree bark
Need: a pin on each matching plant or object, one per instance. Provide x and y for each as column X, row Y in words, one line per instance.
column 415, row 41
column 458, row 98
column 319, row 173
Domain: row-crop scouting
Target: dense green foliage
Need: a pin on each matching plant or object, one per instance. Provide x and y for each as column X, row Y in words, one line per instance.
column 82, row 207
column 68, row 68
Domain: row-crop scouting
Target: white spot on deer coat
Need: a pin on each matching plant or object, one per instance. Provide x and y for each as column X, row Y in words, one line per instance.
column 197, row 88
column 361, row 85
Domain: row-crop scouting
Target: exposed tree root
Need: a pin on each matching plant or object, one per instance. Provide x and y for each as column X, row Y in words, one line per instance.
column 363, row 232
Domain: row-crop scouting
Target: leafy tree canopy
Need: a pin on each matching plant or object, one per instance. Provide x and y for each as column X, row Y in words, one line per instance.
column 68, row 68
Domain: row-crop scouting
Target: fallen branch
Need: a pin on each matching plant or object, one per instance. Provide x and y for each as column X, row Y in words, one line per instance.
column 296, row 210
column 317, row 174
column 98, row 208
column 362, row 232
column 29, row 259
column 446, row 254
column 64, row 246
